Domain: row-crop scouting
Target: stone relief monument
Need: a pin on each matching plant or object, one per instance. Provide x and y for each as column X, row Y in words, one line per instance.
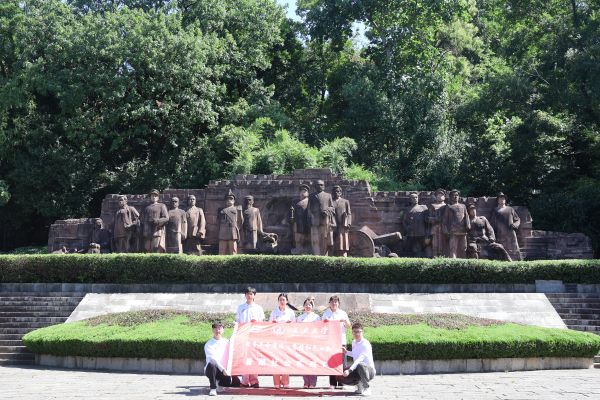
column 321, row 216
column 176, row 228
column 481, row 240
column 414, row 224
column 284, row 203
column 343, row 221
column 230, row 221
column 196, row 228
column 298, row 220
column 127, row 219
column 455, row 225
column 439, row 241
column 154, row 219
column 506, row 222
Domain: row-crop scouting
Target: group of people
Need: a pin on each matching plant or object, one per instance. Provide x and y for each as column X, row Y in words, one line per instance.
column 359, row 373
column 453, row 229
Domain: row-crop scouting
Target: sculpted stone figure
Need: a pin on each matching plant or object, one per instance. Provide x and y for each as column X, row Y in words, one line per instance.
column 196, row 228
column 154, row 219
column 505, row 221
column 414, row 222
column 343, row 220
column 176, row 228
column 101, row 236
column 321, row 215
column 481, row 241
column 300, row 224
column 126, row 221
column 456, row 224
column 230, row 221
column 439, row 241
column 252, row 225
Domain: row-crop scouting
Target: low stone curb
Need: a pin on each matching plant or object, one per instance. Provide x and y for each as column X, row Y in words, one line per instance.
column 388, row 367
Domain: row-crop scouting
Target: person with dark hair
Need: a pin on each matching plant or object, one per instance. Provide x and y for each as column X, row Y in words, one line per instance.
column 335, row 313
column 249, row 312
column 310, row 381
column 216, row 352
column 282, row 313
column 362, row 369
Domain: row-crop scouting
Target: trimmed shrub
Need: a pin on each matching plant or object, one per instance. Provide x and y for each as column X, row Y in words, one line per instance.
column 166, row 268
column 171, row 334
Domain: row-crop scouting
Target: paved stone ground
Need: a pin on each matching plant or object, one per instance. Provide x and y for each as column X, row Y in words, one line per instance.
column 17, row 383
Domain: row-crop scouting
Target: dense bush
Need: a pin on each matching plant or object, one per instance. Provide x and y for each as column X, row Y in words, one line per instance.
column 153, row 268
column 152, row 334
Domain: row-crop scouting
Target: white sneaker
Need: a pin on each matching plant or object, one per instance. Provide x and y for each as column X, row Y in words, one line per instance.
column 359, row 388
column 366, row 392
column 213, row 392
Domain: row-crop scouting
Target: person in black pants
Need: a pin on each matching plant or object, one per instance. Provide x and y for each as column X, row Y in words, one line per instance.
column 215, row 351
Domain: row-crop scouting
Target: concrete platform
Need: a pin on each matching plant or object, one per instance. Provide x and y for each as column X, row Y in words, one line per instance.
column 524, row 308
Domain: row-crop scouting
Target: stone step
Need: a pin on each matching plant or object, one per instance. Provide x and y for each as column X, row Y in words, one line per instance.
column 38, row 296
column 38, row 301
column 571, row 300
column 17, row 362
column 24, row 325
column 10, row 336
column 584, row 328
column 566, row 315
column 49, row 313
column 10, row 342
column 17, row 356
column 19, row 330
column 597, row 359
column 578, row 310
column 47, row 306
column 582, row 322
column 13, row 349
column 573, row 295
column 17, row 319
column 42, row 294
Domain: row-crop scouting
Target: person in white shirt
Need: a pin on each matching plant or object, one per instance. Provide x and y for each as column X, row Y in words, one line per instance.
column 310, row 381
column 283, row 313
column 249, row 312
column 362, row 370
column 335, row 313
column 216, row 352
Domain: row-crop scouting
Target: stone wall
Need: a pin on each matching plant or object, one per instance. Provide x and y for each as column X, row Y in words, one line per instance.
column 380, row 211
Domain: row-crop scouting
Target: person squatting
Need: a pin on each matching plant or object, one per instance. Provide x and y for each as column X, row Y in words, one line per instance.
column 359, row 373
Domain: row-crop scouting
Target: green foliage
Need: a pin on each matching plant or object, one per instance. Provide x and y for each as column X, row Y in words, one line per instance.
column 176, row 334
column 458, row 93
column 149, row 268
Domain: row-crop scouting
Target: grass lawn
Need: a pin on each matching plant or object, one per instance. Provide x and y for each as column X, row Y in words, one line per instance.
column 174, row 334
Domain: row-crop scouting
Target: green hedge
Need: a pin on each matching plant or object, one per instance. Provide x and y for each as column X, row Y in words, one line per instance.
column 162, row 268
column 176, row 337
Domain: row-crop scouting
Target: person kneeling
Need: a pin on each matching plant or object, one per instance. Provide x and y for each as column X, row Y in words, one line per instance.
column 216, row 351
column 362, row 370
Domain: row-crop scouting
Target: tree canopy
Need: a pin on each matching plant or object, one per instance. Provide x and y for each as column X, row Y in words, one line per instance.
column 115, row 96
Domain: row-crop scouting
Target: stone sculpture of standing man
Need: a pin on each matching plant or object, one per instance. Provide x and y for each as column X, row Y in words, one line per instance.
column 196, row 228
column 439, row 241
column 126, row 220
column 230, row 221
column 155, row 218
column 456, row 224
column 343, row 220
column 414, row 222
column 506, row 222
column 300, row 223
column 252, row 225
column 322, row 219
column 176, row 228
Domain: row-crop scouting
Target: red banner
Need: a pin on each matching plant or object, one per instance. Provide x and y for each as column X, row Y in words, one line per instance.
column 266, row 348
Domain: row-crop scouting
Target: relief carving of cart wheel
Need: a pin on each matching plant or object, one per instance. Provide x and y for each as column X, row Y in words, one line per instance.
column 361, row 245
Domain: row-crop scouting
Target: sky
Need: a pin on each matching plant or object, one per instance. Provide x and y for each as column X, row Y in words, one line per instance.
column 291, row 8
column 359, row 28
